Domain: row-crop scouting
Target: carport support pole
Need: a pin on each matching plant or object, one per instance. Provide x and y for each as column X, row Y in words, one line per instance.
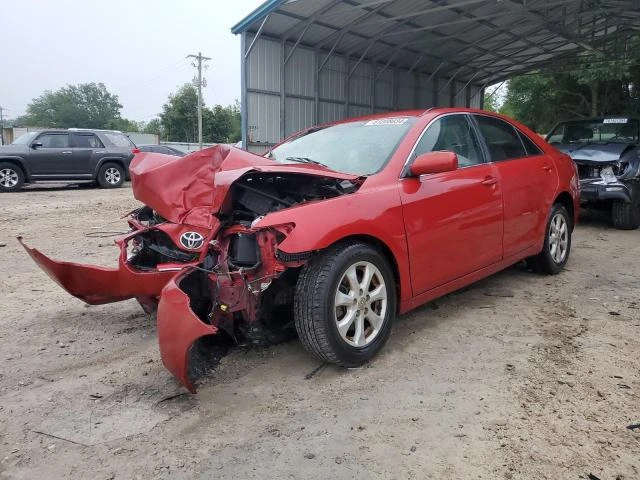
column 243, row 91
column 282, row 91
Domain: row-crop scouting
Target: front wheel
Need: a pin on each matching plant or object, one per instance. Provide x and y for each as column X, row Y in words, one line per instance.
column 345, row 303
column 557, row 243
column 11, row 177
column 111, row 175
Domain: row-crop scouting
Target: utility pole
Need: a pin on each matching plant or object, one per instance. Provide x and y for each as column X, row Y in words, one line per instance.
column 200, row 82
column 1, row 126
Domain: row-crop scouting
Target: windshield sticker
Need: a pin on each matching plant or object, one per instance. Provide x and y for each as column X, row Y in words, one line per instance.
column 615, row 120
column 387, row 121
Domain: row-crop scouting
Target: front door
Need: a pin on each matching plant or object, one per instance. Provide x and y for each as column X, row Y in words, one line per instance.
column 50, row 154
column 453, row 220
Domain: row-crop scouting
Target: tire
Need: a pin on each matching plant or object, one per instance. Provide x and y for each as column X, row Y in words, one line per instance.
column 366, row 323
column 11, row 177
column 111, row 175
column 626, row 216
column 557, row 243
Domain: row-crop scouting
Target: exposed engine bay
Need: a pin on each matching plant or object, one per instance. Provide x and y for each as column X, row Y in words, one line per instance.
column 257, row 194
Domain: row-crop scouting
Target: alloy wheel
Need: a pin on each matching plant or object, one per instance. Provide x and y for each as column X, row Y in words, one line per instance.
column 8, row 178
column 558, row 238
column 360, row 304
column 112, row 175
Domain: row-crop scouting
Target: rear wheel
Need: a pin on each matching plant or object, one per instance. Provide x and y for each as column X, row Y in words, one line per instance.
column 345, row 303
column 626, row 216
column 111, row 175
column 11, row 177
column 557, row 243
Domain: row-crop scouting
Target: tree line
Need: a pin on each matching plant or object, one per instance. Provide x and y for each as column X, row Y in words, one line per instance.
column 91, row 105
column 595, row 85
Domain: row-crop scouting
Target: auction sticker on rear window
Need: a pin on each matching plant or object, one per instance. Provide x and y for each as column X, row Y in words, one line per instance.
column 387, row 121
column 615, row 120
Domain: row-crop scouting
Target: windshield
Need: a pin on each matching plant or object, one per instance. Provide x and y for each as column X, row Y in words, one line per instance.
column 360, row 148
column 25, row 138
column 596, row 130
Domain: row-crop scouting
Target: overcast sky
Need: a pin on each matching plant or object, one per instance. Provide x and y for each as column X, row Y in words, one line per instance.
column 137, row 48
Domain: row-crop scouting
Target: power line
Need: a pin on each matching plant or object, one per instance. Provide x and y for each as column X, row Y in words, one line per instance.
column 199, row 81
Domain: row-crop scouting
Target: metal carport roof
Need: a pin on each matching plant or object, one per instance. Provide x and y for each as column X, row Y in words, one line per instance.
column 479, row 40
column 312, row 61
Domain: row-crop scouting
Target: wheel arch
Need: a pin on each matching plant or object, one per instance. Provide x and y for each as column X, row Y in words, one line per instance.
column 565, row 199
column 116, row 160
column 18, row 163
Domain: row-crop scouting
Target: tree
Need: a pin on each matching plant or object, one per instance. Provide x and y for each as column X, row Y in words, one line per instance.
column 179, row 119
column 539, row 100
column 87, row 105
column 124, row 125
column 154, row 126
column 596, row 85
column 595, row 70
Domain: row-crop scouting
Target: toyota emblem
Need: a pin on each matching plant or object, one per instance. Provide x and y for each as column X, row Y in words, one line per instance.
column 191, row 240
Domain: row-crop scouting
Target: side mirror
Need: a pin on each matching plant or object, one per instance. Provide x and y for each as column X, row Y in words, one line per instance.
column 35, row 145
column 434, row 162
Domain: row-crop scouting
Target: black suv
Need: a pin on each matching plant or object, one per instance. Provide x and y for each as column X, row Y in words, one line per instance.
column 81, row 155
column 607, row 154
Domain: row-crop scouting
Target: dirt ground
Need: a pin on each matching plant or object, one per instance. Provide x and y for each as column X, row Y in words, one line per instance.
column 519, row 376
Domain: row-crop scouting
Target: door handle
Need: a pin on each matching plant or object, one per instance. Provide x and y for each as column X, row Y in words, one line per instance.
column 547, row 167
column 489, row 181
column 67, row 152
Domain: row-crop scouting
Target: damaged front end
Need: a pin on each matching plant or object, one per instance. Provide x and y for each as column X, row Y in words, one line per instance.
column 244, row 289
column 608, row 180
column 197, row 253
column 149, row 258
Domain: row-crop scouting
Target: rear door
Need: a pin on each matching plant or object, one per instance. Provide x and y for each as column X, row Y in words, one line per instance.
column 50, row 154
column 453, row 220
column 84, row 145
column 528, row 182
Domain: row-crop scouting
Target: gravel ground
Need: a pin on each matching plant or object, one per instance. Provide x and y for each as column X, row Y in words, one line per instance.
column 519, row 376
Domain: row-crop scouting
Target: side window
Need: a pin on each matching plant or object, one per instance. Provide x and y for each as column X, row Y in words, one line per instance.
column 54, row 140
column 557, row 136
column 119, row 139
column 531, row 148
column 84, row 140
column 502, row 140
column 452, row 133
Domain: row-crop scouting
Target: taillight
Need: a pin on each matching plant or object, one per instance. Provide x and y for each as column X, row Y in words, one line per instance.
column 135, row 150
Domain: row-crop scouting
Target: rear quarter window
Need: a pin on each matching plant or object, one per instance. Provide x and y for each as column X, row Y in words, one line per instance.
column 119, row 140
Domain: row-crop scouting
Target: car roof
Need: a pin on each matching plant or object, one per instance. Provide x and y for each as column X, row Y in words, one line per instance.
column 93, row 130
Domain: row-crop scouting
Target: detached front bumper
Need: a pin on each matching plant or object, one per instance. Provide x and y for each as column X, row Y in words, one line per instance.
column 179, row 329
column 596, row 189
column 98, row 285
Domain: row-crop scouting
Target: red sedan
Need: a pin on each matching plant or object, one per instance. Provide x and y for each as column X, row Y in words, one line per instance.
column 332, row 233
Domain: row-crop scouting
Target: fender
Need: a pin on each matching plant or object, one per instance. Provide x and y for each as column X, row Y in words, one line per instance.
column 119, row 160
column 374, row 212
column 17, row 160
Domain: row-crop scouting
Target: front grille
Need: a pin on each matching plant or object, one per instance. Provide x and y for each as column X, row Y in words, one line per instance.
column 592, row 170
column 588, row 171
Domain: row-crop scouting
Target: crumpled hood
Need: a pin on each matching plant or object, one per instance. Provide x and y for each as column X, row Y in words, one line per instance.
column 190, row 189
column 596, row 152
